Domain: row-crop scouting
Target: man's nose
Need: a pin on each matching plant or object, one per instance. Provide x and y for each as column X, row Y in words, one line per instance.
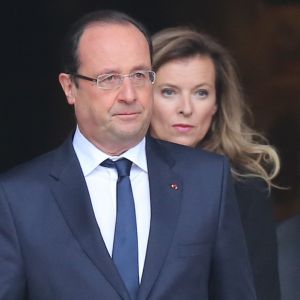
column 127, row 91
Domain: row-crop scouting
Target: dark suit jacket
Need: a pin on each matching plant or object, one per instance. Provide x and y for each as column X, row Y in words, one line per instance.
column 288, row 233
column 260, row 230
column 51, row 247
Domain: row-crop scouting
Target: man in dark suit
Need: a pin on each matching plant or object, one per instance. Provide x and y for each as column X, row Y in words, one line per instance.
column 59, row 221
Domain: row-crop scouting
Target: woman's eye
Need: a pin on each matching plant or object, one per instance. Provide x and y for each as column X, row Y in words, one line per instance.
column 202, row 93
column 167, row 92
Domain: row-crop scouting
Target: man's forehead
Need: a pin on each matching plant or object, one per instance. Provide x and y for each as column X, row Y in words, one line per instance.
column 105, row 30
column 108, row 36
column 106, row 45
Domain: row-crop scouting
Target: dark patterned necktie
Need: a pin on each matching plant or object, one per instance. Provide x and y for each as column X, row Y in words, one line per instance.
column 125, row 248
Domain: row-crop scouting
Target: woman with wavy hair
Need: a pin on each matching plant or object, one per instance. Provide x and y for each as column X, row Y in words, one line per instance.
column 198, row 102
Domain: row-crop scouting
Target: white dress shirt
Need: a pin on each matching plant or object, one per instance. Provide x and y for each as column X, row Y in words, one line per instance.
column 101, row 183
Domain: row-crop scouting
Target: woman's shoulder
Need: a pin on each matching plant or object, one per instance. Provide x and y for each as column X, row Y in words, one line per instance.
column 180, row 149
column 253, row 196
column 254, row 185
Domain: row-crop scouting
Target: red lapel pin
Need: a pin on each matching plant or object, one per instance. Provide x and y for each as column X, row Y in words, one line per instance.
column 174, row 186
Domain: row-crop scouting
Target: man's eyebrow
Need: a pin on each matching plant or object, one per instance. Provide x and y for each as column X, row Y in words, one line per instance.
column 142, row 67
column 136, row 68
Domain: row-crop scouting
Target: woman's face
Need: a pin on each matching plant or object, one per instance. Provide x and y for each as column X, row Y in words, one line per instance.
column 184, row 100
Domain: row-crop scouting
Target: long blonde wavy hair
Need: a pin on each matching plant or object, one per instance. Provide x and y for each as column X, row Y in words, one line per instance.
column 249, row 152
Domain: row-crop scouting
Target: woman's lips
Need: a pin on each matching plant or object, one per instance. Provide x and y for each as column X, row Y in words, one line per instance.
column 183, row 127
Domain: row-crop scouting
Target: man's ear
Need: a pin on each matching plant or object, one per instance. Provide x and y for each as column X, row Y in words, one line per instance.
column 68, row 86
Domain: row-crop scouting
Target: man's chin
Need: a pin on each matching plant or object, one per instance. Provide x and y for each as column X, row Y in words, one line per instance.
column 131, row 133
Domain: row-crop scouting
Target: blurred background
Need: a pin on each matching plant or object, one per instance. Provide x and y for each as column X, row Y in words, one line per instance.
column 263, row 37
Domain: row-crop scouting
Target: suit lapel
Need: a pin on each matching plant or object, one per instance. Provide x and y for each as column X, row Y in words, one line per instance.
column 71, row 193
column 165, row 195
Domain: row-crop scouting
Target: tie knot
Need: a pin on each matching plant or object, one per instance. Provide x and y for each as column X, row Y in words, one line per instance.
column 122, row 165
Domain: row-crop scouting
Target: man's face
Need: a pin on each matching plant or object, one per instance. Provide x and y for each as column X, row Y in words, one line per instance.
column 117, row 119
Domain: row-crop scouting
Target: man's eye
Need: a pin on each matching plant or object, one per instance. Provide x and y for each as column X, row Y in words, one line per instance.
column 111, row 77
column 139, row 75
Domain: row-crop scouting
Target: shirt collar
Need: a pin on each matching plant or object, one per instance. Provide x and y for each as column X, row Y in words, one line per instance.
column 90, row 157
